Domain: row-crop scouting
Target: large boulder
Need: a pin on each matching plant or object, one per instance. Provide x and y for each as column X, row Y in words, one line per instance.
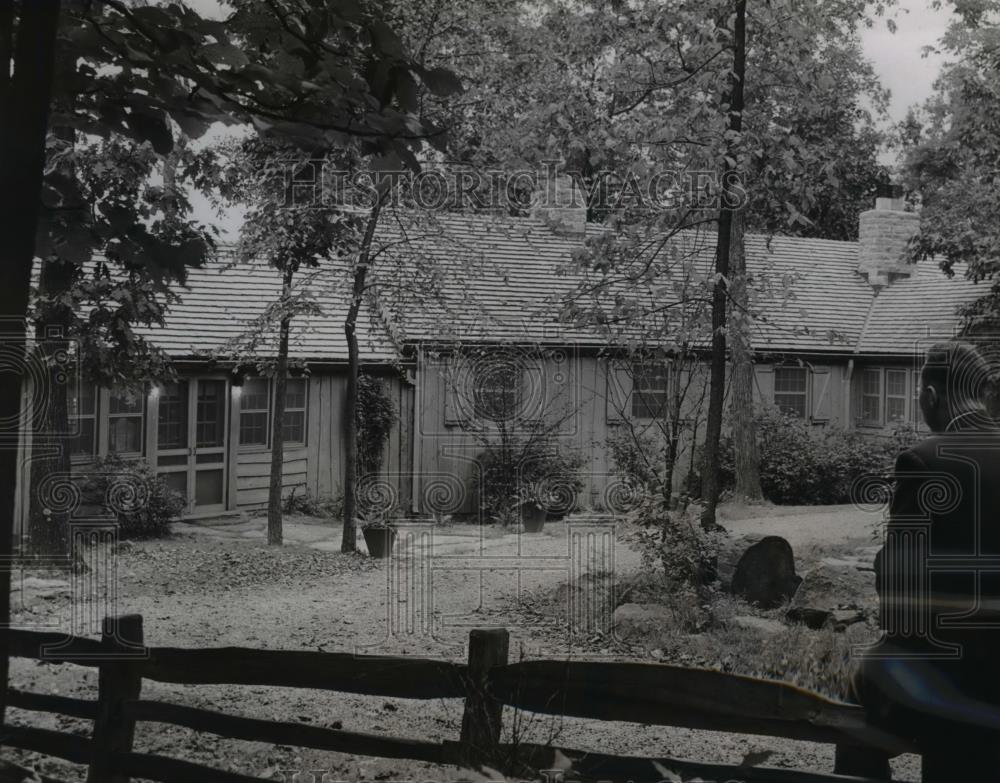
column 834, row 593
column 758, row 569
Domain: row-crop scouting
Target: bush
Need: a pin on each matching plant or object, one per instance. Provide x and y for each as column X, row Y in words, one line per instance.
column 141, row 501
column 526, row 470
column 673, row 545
column 376, row 416
column 800, row 466
column 636, row 457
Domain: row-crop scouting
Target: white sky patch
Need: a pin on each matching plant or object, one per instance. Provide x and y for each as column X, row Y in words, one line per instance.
column 898, row 57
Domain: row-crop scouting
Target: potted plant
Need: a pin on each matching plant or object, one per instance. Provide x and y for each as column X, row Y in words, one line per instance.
column 534, row 509
column 380, row 536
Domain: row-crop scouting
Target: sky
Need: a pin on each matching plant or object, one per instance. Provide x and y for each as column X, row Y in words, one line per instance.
column 898, row 58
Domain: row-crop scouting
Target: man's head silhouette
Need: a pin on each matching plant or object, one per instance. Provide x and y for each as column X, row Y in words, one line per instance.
column 953, row 383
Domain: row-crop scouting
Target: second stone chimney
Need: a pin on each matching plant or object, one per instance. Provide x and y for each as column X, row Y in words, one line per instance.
column 560, row 204
column 883, row 234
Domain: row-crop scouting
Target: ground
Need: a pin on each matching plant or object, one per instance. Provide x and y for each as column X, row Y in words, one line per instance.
column 212, row 586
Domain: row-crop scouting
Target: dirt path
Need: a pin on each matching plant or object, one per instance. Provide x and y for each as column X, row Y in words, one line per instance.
column 805, row 526
column 222, row 586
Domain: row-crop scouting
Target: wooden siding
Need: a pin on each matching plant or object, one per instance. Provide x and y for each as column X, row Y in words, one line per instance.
column 316, row 466
column 590, row 391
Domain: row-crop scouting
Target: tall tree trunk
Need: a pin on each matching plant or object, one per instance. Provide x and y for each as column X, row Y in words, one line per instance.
column 348, row 541
column 48, row 530
column 274, row 532
column 713, row 429
column 745, row 452
column 24, row 115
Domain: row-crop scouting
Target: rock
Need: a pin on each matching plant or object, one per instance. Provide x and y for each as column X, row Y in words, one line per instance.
column 636, row 623
column 845, row 617
column 762, row 624
column 759, row 569
column 828, row 588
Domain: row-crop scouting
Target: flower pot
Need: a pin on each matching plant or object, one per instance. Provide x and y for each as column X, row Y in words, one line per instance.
column 533, row 518
column 379, row 540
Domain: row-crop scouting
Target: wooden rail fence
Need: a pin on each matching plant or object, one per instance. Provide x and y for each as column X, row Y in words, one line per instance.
column 632, row 692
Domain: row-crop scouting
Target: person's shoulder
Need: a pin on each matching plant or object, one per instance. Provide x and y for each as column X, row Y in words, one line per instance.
column 920, row 453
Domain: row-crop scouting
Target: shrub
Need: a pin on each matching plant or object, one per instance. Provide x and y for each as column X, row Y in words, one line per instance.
column 636, row 457
column 673, row 545
column 517, row 471
column 141, row 501
column 801, row 466
column 376, row 416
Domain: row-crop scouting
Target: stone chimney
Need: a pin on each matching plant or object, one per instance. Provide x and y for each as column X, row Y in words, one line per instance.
column 560, row 204
column 883, row 234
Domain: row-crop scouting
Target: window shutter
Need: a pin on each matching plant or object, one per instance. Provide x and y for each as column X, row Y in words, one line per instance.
column 821, row 391
column 764, row 380
column 455, row 394
column 533, row 394
column 619, row 392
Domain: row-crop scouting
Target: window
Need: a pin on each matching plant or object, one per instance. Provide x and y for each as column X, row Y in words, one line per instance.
column 497, row 390
column 125, row 422
column 916, row 415
column 895, row 396
column 253, row 412
column 791, row 389
column 83, row 421
column 172, row 422
column 871, row 396
column 649, row 391
column 295, row 410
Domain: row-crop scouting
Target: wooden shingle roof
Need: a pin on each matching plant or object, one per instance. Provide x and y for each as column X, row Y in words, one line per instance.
column 912, row 312
column 500, row 280
column 221, row 302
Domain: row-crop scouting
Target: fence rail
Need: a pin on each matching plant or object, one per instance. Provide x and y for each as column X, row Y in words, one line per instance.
column 630, row 692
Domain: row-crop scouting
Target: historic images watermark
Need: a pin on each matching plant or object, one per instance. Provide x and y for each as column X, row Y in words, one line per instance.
column 323, row 184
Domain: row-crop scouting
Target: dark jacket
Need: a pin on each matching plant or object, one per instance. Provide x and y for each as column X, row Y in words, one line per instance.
column 944, row 524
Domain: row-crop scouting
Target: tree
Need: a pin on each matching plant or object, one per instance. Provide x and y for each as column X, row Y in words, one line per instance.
column 728, row 236
column 137, row 68
column 949, row 164
column 112, row 246
column 651, row 301
column 594, row 79
column 292, row 230
column 27, row 59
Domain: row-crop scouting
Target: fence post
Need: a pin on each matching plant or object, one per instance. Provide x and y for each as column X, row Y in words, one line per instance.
column 862, row 762
column 118, row 681
column 481, row 721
